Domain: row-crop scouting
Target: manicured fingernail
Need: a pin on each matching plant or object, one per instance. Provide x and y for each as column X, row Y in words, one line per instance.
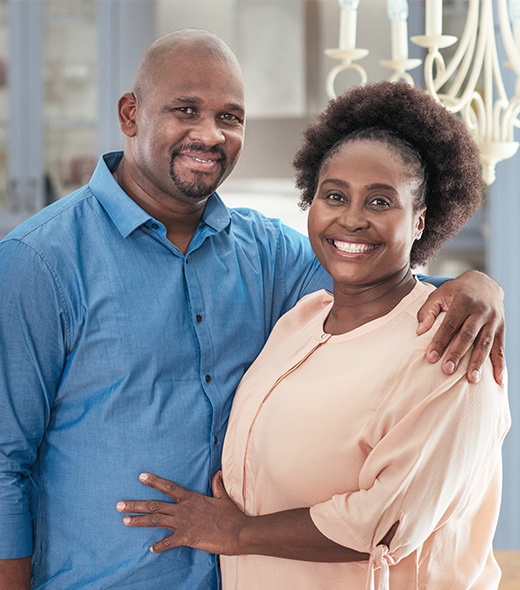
column 475, row 376
column 127, row 520
column 449, row 366
column 433, row 356
column 144, row 476
column 152, row 549
column 120, row 506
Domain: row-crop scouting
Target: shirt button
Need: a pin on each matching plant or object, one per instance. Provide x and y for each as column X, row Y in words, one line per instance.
column 207, row 378
column 155, row 226
column 198, row 317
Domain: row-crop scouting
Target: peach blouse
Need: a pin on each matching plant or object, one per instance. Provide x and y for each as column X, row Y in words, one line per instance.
column 362, row 429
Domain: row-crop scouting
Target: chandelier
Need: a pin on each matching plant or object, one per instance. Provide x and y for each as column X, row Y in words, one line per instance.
column 469, row 84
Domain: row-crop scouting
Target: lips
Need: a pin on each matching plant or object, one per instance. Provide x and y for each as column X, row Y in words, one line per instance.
column 353, row 247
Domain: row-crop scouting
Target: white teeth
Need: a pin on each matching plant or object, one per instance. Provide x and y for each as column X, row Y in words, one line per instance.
column 201, row 160
column 352, row 248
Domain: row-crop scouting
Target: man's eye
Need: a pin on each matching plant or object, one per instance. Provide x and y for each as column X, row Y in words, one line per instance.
column 231, row 118
column 184, row 110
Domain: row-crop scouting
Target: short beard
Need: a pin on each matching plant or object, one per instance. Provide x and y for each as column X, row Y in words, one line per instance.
column 198, row 189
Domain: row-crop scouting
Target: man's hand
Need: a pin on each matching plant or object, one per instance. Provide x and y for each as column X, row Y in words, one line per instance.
column 474, row 318
column 198, row 521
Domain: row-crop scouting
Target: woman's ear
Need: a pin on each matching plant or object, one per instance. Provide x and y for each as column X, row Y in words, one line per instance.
column 420, row 223
column 127, row 111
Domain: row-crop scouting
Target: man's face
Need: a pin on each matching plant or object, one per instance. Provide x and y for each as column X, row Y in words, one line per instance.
column 189, row 125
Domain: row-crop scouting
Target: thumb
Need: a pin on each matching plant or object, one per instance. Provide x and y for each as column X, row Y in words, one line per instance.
column 426, row 316
column 217, row 485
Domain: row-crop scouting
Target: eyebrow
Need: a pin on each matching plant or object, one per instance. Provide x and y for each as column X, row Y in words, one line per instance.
column 193, row 100
column 372, row 186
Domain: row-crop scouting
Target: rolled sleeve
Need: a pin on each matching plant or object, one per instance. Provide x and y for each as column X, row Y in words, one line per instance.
column 31, row 341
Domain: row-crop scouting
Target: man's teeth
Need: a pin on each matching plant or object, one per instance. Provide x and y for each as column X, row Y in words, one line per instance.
column 352, row 248
column 201, row 160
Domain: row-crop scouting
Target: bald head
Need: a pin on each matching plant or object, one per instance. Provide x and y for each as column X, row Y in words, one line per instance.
column 160, row 57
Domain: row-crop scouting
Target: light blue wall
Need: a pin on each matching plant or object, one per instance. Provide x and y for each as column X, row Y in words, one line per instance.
column 503, row 252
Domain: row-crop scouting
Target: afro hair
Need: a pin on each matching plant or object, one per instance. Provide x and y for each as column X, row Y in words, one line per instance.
column 454, row 185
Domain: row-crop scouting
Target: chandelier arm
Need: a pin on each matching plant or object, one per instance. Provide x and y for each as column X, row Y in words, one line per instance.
column 513, row 54
column 467, row 39
column 433, row 58
column 497, row 76
column 486, row 16
column 474, row 115
column 510, row 119
column 462, row 71
column 346, row 65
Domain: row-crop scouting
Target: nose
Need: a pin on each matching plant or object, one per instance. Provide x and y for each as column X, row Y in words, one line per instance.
column 354, row 219
column 207, row 131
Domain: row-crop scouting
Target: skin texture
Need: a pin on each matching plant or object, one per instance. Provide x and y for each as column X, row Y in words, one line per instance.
column 15, row 574
column 363, row 222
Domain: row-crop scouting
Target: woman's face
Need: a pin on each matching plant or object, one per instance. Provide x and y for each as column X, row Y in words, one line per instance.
column 362, row 222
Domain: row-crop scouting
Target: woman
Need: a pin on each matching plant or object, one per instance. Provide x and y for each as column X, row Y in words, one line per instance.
column 349, row 459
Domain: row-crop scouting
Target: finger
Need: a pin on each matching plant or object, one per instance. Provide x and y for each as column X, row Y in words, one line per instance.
column 427, row 315
column 498, row 356
column 144, row 506
column 156, row 519
column 459, row 346
column 479, row 355
column 217, row 486
column 460, row 334
column 164, row 544
column 166, row 486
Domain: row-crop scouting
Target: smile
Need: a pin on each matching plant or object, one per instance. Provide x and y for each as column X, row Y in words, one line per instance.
column 351, row 248
column 210, row 161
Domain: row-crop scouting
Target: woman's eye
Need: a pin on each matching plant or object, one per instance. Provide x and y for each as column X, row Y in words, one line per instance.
column 380, row 202
column 335, row 197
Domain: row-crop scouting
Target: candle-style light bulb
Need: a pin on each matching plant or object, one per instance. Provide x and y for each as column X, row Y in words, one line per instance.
column 348, row 23
column 398, row 14
column 433, row 18
column 397, row 10
column 349, row 4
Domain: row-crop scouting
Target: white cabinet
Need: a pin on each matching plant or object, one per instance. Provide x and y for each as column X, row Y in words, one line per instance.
column 67, row 62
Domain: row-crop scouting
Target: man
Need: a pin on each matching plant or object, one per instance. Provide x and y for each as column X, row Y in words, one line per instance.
column 130, row 310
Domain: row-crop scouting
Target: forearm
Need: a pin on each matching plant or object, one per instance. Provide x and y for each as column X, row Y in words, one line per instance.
column 15, row 574
column 292, row 535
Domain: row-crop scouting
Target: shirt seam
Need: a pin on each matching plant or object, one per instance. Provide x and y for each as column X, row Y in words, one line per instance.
column 57, row 285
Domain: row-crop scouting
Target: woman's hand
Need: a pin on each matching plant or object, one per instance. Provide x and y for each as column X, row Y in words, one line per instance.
column 198, row 521
column 474, row 318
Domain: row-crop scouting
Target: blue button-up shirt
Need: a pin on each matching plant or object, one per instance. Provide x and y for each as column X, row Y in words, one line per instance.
column 119, row 354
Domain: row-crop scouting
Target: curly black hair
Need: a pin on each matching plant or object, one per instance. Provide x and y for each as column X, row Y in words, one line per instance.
column 409, row 120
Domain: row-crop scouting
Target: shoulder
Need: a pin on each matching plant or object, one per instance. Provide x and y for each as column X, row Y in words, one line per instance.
column 52, row 218
column 262, row 225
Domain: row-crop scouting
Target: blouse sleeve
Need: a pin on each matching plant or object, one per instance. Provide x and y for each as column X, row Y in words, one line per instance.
column 434, row 447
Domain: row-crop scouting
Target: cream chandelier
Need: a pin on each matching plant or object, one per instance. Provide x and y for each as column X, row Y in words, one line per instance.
column 470, row 84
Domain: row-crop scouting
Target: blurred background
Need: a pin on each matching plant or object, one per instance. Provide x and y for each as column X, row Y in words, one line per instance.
column 64, row 64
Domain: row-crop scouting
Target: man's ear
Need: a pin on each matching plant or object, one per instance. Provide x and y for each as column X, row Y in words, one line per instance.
column 127, row 110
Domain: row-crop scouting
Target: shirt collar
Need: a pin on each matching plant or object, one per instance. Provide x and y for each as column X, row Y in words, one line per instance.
column 126, row 213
